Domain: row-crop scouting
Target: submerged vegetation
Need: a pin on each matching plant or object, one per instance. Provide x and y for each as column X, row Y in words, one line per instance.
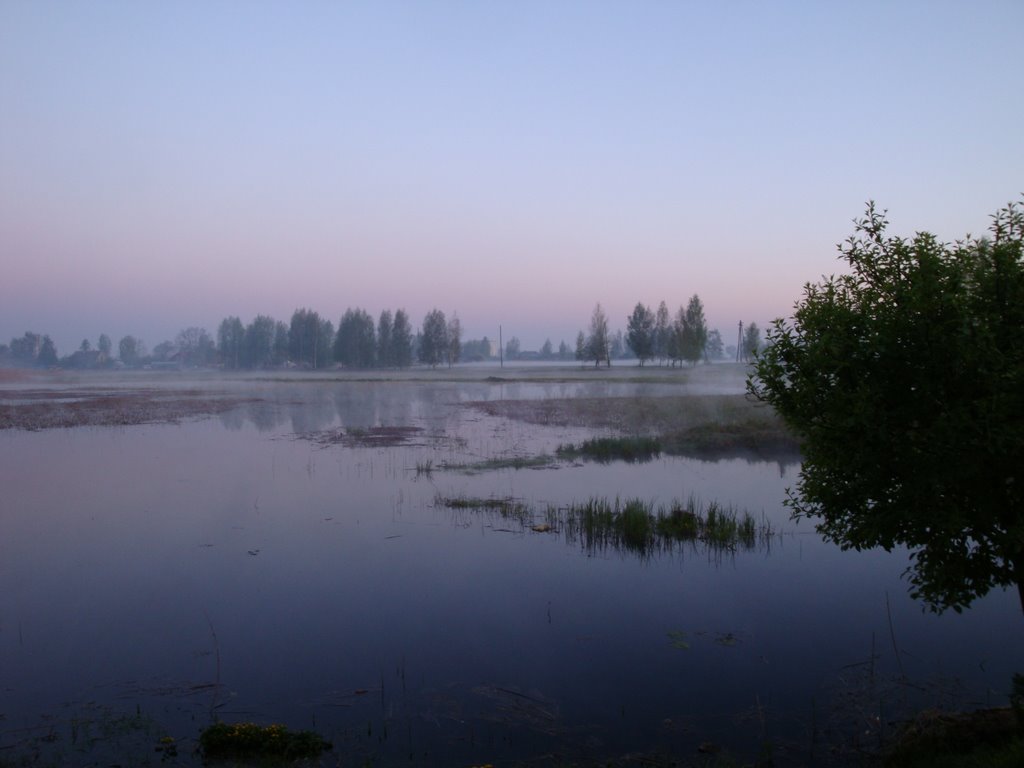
column 633, row 525
column 265, row 743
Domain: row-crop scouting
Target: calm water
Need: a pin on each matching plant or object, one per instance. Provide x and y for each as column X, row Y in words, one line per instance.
column 229, row 568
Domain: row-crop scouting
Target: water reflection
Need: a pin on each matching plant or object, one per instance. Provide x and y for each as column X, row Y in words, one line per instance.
column 326, row 588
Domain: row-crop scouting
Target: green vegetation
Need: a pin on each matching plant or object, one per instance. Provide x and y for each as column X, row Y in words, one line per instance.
column 604, row 449
column 633, row 525
column 906, row 386
column 511, row 462
column 268, row 743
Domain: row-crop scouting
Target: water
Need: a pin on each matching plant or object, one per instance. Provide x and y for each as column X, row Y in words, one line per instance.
column 229, row 568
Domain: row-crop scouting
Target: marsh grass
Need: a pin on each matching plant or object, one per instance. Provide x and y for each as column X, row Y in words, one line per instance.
column 605, row 449
column 541, row 461
column 633, row 525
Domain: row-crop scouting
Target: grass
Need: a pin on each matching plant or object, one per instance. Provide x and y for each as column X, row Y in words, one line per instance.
column 605, row 449
column 633, row 525
column 264, row 742
column 513, row 462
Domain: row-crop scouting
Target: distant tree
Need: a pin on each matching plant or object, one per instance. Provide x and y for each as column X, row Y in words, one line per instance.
column 47, row 353
column 694, row 332
column 662, row 333
column 85, row 346
column 280, row 349
column 195, row 345
column 547, row 351
column 164, row 351
column 25, row 350
column 598, row 342
column 384, row 344
column 715, row 349
column 310, row 339
column 751, row 341
column 401, row 340
column 564, row 353
column 128, row 350
column 640, row 332
column 355, row 344
column 434, row 338
column 454, row 339
column 104, row 345
column 231, row 342
column 617, row 347
column 581, row 347
column 512, row 349
column 258, row 342
column 476, row 350
column 904, row 379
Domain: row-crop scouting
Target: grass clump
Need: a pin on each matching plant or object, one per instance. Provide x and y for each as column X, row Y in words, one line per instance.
column 249, row 740
column 506, row 507
column 512, row 462
column 605, row 449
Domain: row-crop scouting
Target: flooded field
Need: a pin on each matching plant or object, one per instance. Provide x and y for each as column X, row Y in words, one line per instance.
column 278, row 549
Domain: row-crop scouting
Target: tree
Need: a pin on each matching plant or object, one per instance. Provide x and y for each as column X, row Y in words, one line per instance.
column 47, row 353
column 564, row 353
column 905, row 381
column 401, row 340
column 640, row 332
column 129, row 350
column 355, row 345
column 26, row 349
column 581, row 347
column 104, row 345
column 454, row 339
column 384, row 351
column 694, row 339
column 715, row 349
column 195, row 346
column 434, row 344
column 598, row 342
column 309, row 339
column 85, row 346
column 512, row 348
column 280, row 349
column 258, row 342
column 231, row 342
column 547, row 350
column 662, row 333
column 751, row 342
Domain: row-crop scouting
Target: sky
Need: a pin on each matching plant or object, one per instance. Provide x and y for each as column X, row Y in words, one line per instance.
column 168, row 164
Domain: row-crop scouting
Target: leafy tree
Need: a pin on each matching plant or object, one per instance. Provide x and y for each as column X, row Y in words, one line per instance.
column 47, row 353
column 564, row 353
column 547, row 350
column 401, row 340
column 640, row 332
column 434, row 341
column 905, row 381
column 598, row 342
column 662, row 333
column 164, row 351
column 258, row 343
column 280, row 348
column 715, row 349
column 129, row 350
column 355, row 345
column 85, row 346
column 384, row 351
column 310, row 338
column 512, row 348
column 454, row 339
column 26, row 349
column 617, row 346
column 231, row 342
column 751, row 342
column 104, row 345
column 581, row 347
column 694, row 336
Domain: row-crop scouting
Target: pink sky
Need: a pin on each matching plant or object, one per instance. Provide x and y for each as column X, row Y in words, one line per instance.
column 167, row 165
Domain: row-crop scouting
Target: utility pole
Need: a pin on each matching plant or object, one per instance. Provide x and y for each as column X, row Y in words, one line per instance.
column 501, row 350
column 739, row 343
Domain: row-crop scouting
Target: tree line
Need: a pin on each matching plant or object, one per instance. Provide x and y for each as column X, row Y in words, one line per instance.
column 311, row 341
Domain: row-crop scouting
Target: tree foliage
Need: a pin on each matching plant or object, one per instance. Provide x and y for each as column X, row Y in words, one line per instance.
column 905, row 381
column 355, row 345
column 598, row 345
column 434, row 342
column 640, row 332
